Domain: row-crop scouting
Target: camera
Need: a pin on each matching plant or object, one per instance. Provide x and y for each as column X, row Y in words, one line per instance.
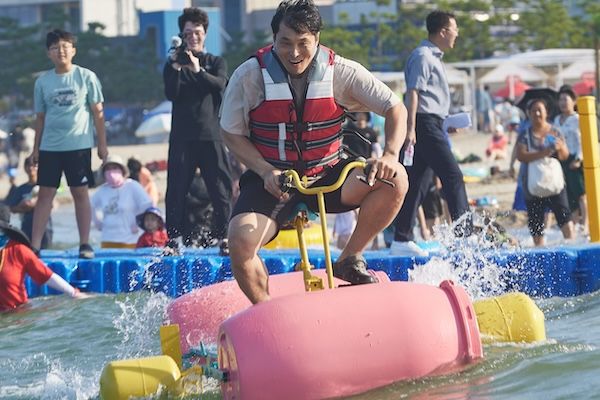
column 178, row 47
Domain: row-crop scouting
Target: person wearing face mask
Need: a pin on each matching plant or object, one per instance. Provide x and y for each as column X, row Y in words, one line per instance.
column 194, row 81
column 17, row 260
column 283, row 109
column 115, row 205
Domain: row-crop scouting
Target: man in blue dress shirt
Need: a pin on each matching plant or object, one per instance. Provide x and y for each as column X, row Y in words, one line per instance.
column 428, row 104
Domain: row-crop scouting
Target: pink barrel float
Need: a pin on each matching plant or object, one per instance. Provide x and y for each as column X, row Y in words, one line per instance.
column 346, row 341
column 200, row 312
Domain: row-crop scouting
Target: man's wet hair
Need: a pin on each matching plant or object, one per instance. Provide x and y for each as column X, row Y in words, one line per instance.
column 56, row 35
column 195, row 15
column 438, row 20
column 300, row 15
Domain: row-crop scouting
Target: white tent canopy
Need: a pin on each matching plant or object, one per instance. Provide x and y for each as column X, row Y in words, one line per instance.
column 536, row 58
column 395, row 80
column 503, row 72
column 455, row 76
column 576, row 70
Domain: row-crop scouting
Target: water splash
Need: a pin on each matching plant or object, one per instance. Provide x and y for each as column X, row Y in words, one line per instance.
column 139, row 322
column 144, row 275
column 59, row 382
column 468, row 261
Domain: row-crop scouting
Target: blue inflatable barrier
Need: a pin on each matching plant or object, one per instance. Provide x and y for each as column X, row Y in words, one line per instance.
column 563, row 271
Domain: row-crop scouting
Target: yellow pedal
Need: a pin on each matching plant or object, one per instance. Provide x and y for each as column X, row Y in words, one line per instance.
column 314, row 283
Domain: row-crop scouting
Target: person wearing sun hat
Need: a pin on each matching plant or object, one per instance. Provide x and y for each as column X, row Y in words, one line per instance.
column 152, row 223
column 116, row 203
column 17, row 260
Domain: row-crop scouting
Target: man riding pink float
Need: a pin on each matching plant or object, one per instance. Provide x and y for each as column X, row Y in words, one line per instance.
column 284, row 109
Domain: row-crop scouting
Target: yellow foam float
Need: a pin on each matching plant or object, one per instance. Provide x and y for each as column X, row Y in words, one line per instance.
column 512, row 317
column 140, row 377
column 288, row 238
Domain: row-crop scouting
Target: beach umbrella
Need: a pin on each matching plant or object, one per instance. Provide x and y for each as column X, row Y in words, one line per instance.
column 518, row 88
column 159, row 124
column 584, row 87
column 550, row 96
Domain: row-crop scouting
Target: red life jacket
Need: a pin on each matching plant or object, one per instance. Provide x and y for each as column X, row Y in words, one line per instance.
column 308, row 144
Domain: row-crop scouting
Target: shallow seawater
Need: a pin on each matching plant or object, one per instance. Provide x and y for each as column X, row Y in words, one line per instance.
column 55, row 348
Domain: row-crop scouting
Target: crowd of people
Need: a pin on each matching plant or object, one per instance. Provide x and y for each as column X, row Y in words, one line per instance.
column 285, row 107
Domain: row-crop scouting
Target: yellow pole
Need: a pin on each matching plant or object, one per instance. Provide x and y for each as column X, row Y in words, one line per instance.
column 323, row 215
column 586, row 107
column 299, row 221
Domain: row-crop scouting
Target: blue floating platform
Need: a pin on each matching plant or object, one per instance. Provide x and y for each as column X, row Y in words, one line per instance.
column 561, row 271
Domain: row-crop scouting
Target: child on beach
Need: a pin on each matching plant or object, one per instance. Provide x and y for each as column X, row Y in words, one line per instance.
column 68, row 103
column 498, row 147
column 153, row 224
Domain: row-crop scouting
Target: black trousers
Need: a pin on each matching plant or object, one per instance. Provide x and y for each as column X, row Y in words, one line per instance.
column 211, row 158
column 432, row 156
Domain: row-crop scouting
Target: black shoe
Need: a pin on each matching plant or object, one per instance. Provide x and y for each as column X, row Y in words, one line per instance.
column 36, row 252
column 172, row 248
column 353, row 269
column 86, row 251
column 224, row 248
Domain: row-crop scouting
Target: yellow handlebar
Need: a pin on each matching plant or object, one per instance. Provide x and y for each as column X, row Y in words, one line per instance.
column 293, row 175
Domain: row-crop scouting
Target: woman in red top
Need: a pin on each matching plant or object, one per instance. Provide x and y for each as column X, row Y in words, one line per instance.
column 16, row 260
column 152, row 222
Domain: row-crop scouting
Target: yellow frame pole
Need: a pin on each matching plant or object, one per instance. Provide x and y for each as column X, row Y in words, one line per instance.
column 303, row 251
column 323, row 215
column 586, row 107
column 319, row 192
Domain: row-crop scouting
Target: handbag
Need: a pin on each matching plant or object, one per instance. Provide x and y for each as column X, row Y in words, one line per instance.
column 544, row 176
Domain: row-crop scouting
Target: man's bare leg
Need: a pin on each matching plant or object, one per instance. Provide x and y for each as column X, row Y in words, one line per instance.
column 247, row 234
column 379, row 205
column 41, row 214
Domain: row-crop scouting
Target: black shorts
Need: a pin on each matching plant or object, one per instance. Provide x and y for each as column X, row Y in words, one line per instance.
column 76, row 164
column 536, row 209
column 255, row 199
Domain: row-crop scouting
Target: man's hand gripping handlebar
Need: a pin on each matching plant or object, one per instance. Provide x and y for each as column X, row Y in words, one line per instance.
column 290, row 179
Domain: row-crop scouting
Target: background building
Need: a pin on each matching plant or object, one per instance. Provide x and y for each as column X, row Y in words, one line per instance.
column 159, row 27
column 120, row 17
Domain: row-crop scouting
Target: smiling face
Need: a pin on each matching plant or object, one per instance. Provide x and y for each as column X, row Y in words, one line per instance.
column 61, row 54
column 194, row 36
column 295, row 50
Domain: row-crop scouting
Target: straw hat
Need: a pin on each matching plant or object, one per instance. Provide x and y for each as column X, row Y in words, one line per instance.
column 11, row 231
column 116, row 160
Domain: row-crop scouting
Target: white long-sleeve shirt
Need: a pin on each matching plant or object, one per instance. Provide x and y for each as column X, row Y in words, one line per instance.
column 570, row 130
column 114, row 211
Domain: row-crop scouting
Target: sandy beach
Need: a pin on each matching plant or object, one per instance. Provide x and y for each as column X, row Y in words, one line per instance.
column 465, row 143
